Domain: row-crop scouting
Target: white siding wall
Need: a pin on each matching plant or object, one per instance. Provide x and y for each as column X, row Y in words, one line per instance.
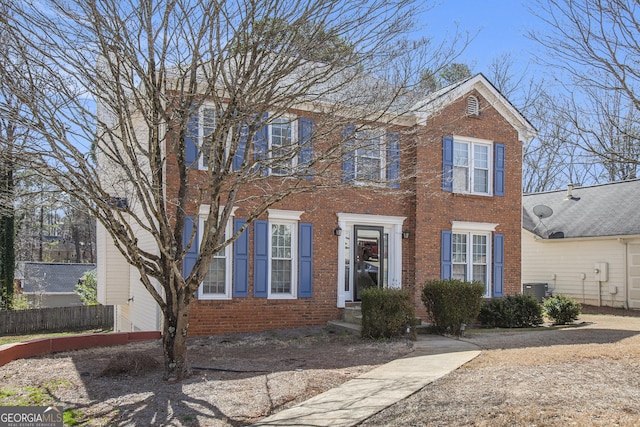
column 143, row 309
column 112, row 270
column 563, row 264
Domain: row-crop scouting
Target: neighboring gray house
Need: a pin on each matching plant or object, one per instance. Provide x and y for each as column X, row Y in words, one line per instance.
column 584, row 242
column 51, row 284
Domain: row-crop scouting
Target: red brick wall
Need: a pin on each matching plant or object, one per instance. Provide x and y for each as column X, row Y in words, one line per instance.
column 420, row 193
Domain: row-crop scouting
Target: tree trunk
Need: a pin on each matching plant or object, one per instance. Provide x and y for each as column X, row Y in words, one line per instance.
column 174, row 341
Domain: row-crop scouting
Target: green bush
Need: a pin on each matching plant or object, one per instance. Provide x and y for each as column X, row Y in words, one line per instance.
column 87, row 288
column 512, row 311
column 386, row 313
column 562, row 309
column 450, row 303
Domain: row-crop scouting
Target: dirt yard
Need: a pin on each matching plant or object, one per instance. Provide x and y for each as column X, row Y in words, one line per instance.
column 584, row 375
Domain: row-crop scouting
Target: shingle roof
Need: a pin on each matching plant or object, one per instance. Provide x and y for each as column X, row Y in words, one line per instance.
column 601, row 210
column 53, row 277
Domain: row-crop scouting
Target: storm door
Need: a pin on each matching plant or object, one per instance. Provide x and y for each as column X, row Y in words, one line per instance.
column 369, row 257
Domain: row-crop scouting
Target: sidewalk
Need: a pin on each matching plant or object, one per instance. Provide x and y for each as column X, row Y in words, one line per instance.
column 362, row 397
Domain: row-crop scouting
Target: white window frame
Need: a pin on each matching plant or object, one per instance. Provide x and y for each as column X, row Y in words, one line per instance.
column 471, row 143
column 290, row 218
column 228, row 253
column 368, row 134
column 471, row 229
column 293, row 126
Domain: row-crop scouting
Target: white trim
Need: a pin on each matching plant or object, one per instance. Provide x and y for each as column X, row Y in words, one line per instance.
column 473, row 226
column 203, row 212
column 294, row 257
column 278, row 214
column 292, row 120
column 392, row 226
column 477, row 228
column 471, row 167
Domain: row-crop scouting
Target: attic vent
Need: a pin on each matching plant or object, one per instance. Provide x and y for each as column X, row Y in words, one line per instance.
column 473, row 106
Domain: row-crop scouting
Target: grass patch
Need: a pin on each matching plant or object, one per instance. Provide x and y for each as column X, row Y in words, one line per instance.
column 21, row 338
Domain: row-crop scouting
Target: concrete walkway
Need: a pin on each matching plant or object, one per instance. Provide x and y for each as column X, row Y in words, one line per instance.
column 368, row 394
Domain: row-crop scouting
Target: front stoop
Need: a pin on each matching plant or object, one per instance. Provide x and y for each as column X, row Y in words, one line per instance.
column 351, row 320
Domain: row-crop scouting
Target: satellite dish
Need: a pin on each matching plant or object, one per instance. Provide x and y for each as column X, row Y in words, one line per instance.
column 542, row 211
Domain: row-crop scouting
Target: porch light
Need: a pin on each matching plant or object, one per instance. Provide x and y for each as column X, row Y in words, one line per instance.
column 337, row 231
column 405, row 234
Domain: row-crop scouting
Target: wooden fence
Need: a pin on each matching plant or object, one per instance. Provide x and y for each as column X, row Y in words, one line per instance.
column 57, row 319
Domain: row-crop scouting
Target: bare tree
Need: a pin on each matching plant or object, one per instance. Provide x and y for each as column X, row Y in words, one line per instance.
column 594, row 43
column 151, row 67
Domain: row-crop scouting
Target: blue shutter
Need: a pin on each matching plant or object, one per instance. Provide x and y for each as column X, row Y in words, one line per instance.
column 191, row 141
column 305, row 260
column 191, row 256
column 260, row 141
column 238, row 158
column 447, row 163
column 498, row 182
column 348, row 159
column 498, row 265
column 393, row 154
column 305, row 132
column 446, row 253
column 240, row 260
column 260, row 258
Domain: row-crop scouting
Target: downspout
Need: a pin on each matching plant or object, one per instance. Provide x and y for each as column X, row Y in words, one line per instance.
column 625, row 276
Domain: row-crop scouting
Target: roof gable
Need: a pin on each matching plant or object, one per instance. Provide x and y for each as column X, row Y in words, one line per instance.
column 435, row 101
column 595, row 211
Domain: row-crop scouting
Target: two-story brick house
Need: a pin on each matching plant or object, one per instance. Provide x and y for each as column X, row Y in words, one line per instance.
column 450, row 207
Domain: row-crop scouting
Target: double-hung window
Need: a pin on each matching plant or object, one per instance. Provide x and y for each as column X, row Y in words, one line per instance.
column 283, row 256
column 470, row 257
column 471, row 167
column 370, row 157
column 283, row 152
column 217, row 283
column 283, row 250
column 199, row 141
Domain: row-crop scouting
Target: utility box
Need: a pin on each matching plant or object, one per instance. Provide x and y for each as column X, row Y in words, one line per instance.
column 538, row 290
column 601, row 270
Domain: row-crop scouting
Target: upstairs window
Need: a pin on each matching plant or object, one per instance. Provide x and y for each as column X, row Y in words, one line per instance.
column 371, row 156
column 282, row 149
column 473, row 166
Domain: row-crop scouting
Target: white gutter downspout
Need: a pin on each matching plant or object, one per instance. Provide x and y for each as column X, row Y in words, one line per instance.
column 625, row 276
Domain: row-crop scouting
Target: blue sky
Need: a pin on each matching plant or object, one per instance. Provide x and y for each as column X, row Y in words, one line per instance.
column 501, row 26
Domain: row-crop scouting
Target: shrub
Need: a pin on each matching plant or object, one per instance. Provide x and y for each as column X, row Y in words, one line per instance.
column 386, row 313
column 87, row 288
column 512, row 311
column 562, row 309
column 450, row 303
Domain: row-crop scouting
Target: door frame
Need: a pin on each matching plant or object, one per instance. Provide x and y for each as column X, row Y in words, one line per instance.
column 392, row 226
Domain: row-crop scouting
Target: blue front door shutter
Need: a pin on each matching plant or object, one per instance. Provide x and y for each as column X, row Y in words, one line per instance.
column 393, row 154
column 305, row 260
column 191, row 141
column 498, row 265
column 447, row 163
column 498, row 182
column 189, row 260
column 260, row 258
column 240, row 260
column 446, row 254
column 349, row 156
column 305, row 133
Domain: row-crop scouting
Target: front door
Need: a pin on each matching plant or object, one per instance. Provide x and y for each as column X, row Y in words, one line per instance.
column 369, row 258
